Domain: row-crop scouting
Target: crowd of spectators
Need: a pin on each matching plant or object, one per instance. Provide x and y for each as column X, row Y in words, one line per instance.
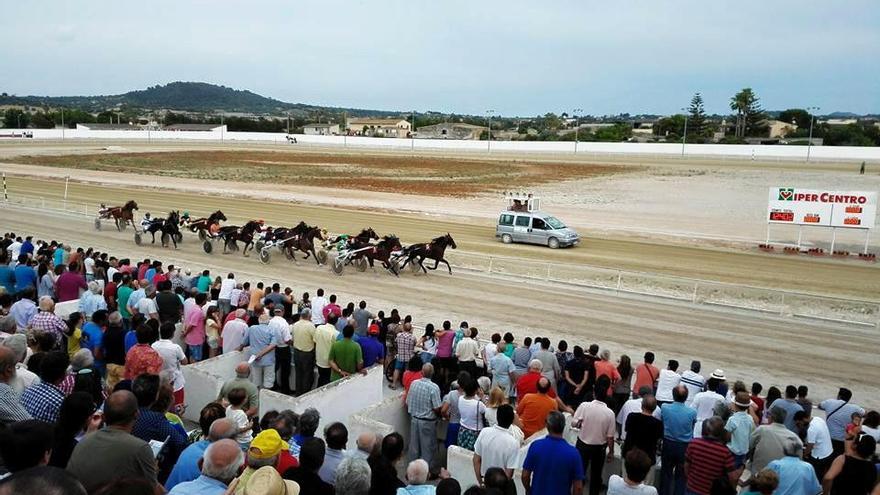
column 93, row 403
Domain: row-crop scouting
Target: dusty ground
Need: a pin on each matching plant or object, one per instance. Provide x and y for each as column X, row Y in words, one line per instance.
column 748, row 346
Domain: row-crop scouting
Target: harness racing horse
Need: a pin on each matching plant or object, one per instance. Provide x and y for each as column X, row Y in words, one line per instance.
column 121, row 215
column 169, row 227
column 363, row 238
column 382, row 252
column 434, row 250
column 305, row 242
column 232, row 234
column 203, row 224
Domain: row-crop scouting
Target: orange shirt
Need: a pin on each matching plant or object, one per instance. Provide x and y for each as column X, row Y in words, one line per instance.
column 608, row 369
column 646, row 376
column 256, row 298
column 533, row 410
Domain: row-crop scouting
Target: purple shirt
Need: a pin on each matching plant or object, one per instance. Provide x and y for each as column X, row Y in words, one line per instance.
column 68, row 285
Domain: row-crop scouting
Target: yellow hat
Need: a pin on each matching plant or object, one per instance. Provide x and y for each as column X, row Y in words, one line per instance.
column 266, row 445
column 267, row 481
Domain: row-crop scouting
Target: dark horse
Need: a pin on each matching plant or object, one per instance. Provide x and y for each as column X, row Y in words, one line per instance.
column 122, row 215
column 232, row 234
column 305, row 242
column 381, row 251
column 169, row 227
column 434, row 250
column 362, row 238
column 202, row 224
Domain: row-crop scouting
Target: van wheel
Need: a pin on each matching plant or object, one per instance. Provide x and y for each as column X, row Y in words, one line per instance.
column 553, row 243
column 506, row 239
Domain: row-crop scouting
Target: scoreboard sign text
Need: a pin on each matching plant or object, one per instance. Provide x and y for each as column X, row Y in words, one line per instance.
column 851, row 209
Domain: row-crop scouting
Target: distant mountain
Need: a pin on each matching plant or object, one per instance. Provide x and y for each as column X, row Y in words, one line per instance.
column 184, row 96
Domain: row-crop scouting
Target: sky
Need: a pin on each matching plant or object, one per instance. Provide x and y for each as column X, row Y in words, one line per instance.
column 513, row 57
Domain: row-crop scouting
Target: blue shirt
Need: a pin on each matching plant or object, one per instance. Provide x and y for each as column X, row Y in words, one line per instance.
column 372, row 350
column 27, row 247
column 94, row 342
column 7, row 279
column 152, row 425
column 740, row 425
column 25, row 276
column 678, row 422
column 187, row 466
column 259, row 337
column 150, row 274
column 200, row 486
column 554, row 465
column 130, row 340
column 796, row 477
column 790, row 407
column 58, row 256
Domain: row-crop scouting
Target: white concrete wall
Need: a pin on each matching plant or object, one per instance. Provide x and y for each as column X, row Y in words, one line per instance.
column 205, row 379
column 733, row 151
column 63, row 309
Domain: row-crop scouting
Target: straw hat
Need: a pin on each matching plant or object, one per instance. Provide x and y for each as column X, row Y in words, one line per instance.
column 267, row 481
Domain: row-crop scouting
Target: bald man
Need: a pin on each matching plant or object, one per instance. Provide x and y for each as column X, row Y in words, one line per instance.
column 188, row 467
column 113, row 452
column 219, row 466
column 242, row 372
column 11, row 409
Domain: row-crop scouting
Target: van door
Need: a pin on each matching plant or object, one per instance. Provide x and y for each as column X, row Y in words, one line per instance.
column 521, row 228
column 539, row 233
column 505, row 225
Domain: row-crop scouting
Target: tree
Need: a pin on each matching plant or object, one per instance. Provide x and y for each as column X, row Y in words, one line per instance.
column 748, row 112
column 800, row 117
column 42, row 120
column 696, row 126
column 14, row 118
column 670, row 127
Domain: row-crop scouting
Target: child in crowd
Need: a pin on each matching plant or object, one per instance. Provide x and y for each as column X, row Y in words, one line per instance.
column 236, row 414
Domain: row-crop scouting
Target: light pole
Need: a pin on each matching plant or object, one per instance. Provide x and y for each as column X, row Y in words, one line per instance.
column 489, row 139
column 412, row 132
column 685, row 133
column 577, row 126
column 810, row 142
column 288, row 122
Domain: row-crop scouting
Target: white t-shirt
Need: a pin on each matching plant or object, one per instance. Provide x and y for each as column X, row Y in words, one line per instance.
column 667, row 381
column 318, row 304
column 496, row 447
column 226, row 287
column 704, row 403
column 874, row 432
column 15, row 249
column 110, row 272
column 281, row 329
column 233, row 335
column 820, row 437
column 240, row 419
column 471, row 412
column 490, row 350
column 89, row 264
column 617, row 486
column 694, row 383
column 147, row 306
column 172, row 355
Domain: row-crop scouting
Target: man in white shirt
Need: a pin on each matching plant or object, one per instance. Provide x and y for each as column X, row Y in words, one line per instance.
column 668, row 380
column 147, row 304
column 817, row 446
column 318, row 304
column 172, row 357
column 693, row 381
column 15, row 249
column 634, row 406
column 467, row 352
column 704, row 402
column 224, row 299
column 496, row 446
column 235, row 296
column 233, row 331
column 89, row 265
column 283, row 363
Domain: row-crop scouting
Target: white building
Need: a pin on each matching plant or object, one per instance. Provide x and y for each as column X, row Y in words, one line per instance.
column 319, row 129
column 394, row 128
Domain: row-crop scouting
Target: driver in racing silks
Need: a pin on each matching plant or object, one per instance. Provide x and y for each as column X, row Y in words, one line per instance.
column 343, row 242
column 184, row 219
column 147, row 221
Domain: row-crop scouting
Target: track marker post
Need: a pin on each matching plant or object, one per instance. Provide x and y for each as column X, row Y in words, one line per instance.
column 6, row 194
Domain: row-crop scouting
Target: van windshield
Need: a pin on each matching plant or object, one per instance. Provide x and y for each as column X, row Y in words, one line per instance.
column 554, row 223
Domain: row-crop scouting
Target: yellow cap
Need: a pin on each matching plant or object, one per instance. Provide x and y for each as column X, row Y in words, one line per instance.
column 266, row 445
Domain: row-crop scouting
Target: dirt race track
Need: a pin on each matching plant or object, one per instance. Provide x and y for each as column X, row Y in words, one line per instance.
column 747, row 345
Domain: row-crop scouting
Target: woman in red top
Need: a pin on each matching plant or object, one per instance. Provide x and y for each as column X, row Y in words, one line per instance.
column 413, row 372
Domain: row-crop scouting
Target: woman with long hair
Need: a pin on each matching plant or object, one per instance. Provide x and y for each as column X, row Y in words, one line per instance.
column 472, row 411
column 773, row 393
column 45, row 281
column 853, row 473
column 428, row 344
column 213, row 326
column 74, row 332
column 576, row 375
column 78, row 416
column 622, row 390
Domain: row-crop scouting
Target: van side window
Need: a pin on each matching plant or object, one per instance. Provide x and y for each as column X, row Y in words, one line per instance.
column 539, row 224
column 523, row 221
column 506, row 220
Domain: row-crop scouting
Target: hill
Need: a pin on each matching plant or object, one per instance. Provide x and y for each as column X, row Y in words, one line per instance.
column 183, row 96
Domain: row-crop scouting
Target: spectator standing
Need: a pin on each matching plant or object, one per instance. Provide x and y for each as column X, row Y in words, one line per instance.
column 114, row 349
column 214, row 427
column 383, row 470
column 262, row 341
column 471, row 412
column 242, row 372
column 317, row 307
column 43, row 400
column 790, row 405
column 26, row 277
column 837, row 415
column 405, row 350
column 502, row 367
column 194, row 328
column 597, row 429
column 804, row 401
column 23, row 310
column 233, row 331
column 739, row 427
column 203, row 283
column 69, row 284
column 93, row 331
column 496, row 446
column 646, row 374
column 423, row 405
column 236, row 413
column 694, row 381
column 622, row 389
column 123, row 295
column 578, row 373
column 173, row 358
column 142, row 358
column 668, row 380
column 224, row 299
column 11, row 409
column 534, row 408
column 449, row 408
column 817, row 445
column 853, row 473
column 550, row 365
column 704, row 402
column 372, row 350
column 325, row 337
column 220, row 465
column 335, row 438
column 306, row 475
column 304, row 351
column 47, row 322
column 552, row 466
column 643, row 430
column 169, row 306
column 795, row 476
column 768, row 441
column 678, row 432
column 636, row 466
column 467, row 351
column 346, row 357
column 708, row 460
column 362, row 318
column 283, row 359
column 633, row 406
column 153, row 425
column 331, row 307
column 45, row 280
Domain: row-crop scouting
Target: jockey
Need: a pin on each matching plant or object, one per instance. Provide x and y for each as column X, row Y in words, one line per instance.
column 184, row 219
column 342, row 242
column 146, row 222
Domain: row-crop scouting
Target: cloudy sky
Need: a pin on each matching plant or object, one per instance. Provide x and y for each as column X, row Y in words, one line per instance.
column 515, row 57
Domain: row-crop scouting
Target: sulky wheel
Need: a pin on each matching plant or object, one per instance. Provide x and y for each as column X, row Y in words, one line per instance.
column 322, row 256
column 202, row 236
column 338, row 266
column 414, row 267
column 265, row 256
column 258, row 246
column 97, row 224
column 208, row 247
column 137, row 238
column 361, row 264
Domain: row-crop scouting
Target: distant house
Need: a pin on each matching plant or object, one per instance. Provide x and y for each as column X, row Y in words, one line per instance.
column 107, row 127
column 779, row 129
column 839, row 121
column 195, row 127
column 394, row 128
column 321, row 129
column 451, row 130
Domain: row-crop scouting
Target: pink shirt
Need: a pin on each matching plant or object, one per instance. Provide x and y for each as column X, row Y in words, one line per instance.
column 597, row 423
column 68, row 285
column 195, row 318
column 444, row 344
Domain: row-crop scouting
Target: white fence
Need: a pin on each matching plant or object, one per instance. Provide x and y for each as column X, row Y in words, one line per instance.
column 669, row 150
column 782, row 303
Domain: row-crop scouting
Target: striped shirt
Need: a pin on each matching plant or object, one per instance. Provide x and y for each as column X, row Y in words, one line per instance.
column 707, row 461
column 11, row 411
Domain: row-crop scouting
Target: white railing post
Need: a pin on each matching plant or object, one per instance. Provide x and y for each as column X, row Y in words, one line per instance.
column 547, row 278
column 489, row 270
column 782, row 306
column 619, row 277
column 694, row 298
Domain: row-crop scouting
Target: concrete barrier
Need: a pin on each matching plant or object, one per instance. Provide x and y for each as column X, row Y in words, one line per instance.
column 63, row 309
column 205, row 379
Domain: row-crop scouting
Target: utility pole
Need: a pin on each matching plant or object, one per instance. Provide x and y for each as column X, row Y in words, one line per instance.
column 577, row 126
column 810, row 142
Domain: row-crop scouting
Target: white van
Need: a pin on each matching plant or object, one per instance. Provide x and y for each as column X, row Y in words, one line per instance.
column 523, row 222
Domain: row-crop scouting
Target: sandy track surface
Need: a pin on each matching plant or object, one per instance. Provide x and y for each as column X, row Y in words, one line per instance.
column 747, row 346
column 604, row 249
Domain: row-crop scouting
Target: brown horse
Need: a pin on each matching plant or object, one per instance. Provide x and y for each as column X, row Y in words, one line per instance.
column 232, row 234
column 434, row 250
column 382, row 252
column 200, row 225
column 306, row 243
column 123, row 215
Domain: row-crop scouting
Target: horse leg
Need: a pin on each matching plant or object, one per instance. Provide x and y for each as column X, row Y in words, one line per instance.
column 422, row 264
column 314, row 255
column 153, row 233
column 447, row 266
column 436, row 264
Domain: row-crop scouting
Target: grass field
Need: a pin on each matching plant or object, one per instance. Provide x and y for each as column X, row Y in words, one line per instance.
column 413, row 175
